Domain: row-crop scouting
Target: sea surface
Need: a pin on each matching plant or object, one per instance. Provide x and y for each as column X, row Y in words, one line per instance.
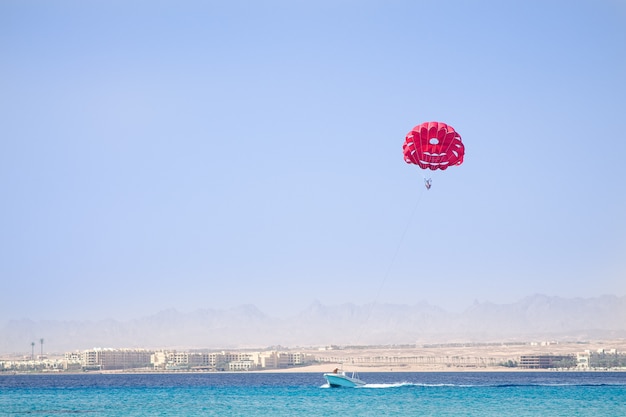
column 482, row 394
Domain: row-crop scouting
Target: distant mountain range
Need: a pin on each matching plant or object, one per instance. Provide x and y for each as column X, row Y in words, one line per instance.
column 535, row 318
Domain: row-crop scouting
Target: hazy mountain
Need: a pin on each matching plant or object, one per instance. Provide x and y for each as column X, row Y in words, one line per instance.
column 534, row 318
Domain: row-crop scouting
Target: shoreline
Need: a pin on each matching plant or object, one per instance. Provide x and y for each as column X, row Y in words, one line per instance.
column 324, row 368
column 403, row 359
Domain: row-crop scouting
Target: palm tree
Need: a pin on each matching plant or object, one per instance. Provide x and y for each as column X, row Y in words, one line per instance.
column 32, row 355
column 41, row 341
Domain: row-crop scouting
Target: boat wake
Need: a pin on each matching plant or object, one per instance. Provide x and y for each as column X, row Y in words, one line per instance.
column 393, row 385
column 402, row 385
column 418, row 385
column 506, row 385
column 405, row 384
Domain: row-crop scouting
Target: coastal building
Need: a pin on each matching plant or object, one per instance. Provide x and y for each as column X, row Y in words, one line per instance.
column 33, row 365
column 277, row 360
column 289, row 359
column 115, row 359
column 546, row 361
column 582, row 360
column 226, row 361
column 72, row 357
column 244, row 365
column 175, row 360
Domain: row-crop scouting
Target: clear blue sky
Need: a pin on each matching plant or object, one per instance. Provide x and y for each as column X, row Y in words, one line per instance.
column 176, row 154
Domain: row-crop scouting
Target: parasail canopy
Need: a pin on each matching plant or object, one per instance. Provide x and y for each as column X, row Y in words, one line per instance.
column 433, row 145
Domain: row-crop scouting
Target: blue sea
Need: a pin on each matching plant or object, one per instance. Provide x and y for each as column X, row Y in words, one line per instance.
column 482, row 394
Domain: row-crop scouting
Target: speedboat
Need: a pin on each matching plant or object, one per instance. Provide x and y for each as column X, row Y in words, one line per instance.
column 339, row 379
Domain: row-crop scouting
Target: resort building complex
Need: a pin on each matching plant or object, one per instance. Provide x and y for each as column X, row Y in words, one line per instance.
column 388, row 358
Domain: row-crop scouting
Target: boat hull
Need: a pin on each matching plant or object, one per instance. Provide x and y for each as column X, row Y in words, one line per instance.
column 339, row 380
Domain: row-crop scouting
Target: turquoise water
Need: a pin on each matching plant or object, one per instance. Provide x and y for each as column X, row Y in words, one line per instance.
column 303, row 394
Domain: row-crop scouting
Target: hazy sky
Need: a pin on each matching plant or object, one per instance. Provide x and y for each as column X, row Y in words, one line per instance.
column 176, row 154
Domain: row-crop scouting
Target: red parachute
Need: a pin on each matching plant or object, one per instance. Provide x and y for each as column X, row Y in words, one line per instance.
column 433, row 145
